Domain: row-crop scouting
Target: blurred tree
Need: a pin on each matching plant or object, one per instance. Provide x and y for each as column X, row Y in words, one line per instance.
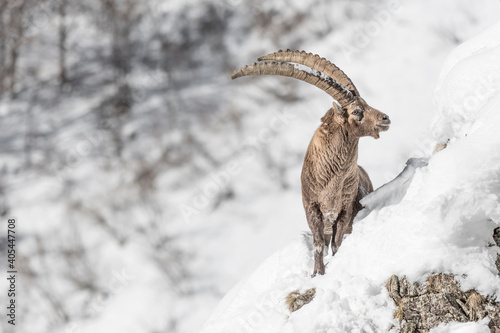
column 15, row 33
column 3, row 44
column 63, row 35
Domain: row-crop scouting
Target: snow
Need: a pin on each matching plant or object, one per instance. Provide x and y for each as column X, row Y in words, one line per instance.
column 472, row 327
column 394, row 191
column 438, row 215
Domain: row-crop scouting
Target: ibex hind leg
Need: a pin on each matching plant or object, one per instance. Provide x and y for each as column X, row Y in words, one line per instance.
column 344, row 226
column 315, row 221
column 331, row 238
column 328, row 239
column 330, row 218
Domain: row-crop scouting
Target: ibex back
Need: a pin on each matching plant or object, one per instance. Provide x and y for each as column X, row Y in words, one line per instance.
column 332, row 182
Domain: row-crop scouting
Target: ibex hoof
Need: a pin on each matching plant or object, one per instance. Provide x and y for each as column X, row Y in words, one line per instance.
column 320, row 271
column 314, row 274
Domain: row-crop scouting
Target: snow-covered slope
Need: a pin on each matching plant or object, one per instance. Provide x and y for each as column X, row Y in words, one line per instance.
column 442, row 222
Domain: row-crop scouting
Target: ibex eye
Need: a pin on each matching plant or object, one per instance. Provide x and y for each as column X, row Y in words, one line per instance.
column 355, row 112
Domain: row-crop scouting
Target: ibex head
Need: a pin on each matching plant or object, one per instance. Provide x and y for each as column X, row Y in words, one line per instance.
column 349, row 108
column 361, row 119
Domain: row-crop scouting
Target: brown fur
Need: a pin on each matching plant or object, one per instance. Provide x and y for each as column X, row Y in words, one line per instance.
column 332, row 182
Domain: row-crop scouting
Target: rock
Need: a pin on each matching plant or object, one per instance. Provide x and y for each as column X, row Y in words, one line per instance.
column 440, row 300
column 496, row 237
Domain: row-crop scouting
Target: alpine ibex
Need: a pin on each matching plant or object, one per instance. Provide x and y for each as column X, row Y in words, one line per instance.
column 332, row 182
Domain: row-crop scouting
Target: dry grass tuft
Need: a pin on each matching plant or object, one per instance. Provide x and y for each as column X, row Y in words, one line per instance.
column 295, row 300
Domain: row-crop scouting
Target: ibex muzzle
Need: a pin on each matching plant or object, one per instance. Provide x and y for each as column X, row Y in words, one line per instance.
column 332, row 182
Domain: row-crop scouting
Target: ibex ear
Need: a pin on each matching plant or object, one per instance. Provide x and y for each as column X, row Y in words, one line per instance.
column 329, row 116
column 333, row 114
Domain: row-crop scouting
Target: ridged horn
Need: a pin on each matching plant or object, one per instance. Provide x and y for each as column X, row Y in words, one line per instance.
column 315, row 62
column 331, row 87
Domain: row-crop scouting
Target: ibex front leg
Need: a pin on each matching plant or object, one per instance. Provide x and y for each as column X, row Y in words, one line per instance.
column 315, row 221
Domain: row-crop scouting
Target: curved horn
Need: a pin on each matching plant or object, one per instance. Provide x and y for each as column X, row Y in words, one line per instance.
column 315, row 62
column 331, row 87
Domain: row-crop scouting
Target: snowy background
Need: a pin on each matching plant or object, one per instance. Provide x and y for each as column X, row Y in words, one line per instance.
column 146, row 184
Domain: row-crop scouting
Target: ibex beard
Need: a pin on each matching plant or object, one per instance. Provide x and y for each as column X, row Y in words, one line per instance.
column 332, row 182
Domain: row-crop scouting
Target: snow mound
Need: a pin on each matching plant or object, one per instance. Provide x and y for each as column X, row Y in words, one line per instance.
column 468, row 82
column 438, row 215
